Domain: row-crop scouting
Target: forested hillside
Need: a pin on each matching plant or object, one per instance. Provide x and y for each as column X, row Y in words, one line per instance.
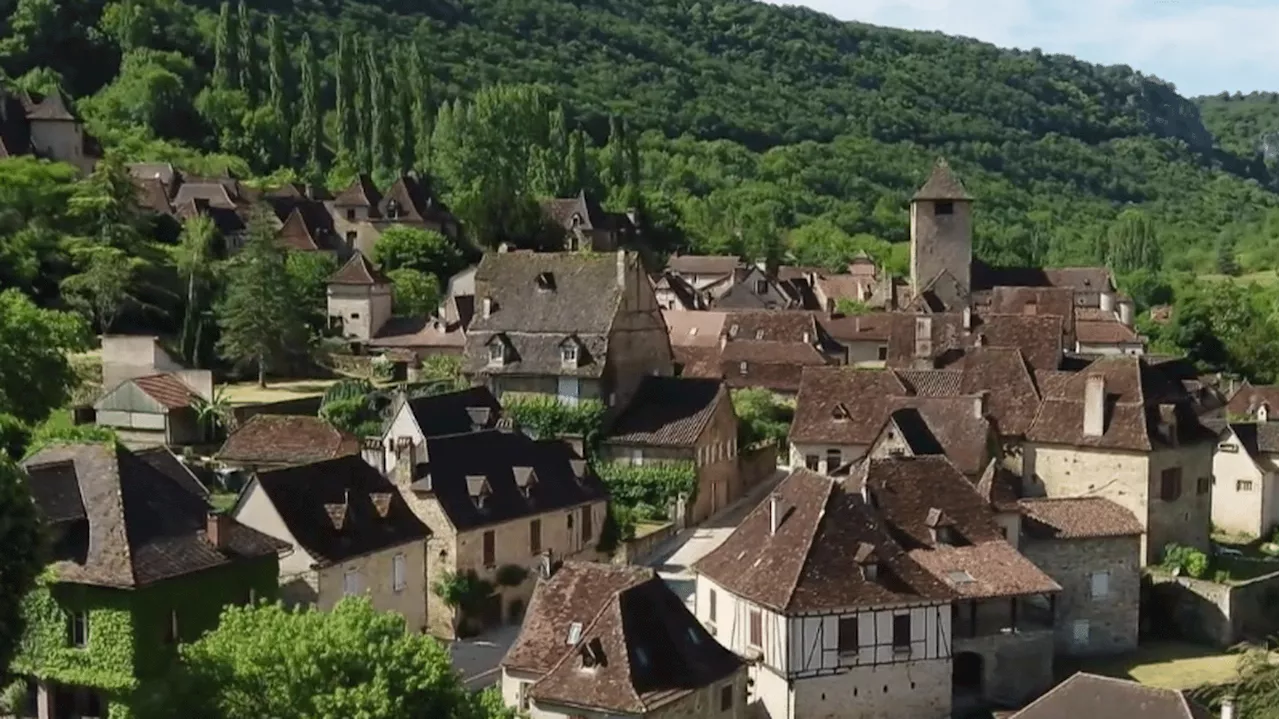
column 1245, row 125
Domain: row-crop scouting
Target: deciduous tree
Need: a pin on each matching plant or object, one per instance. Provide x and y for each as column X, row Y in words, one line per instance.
column 247, row 46
column 226, row 50
column 20, row 560
column 36, row 375
column 306, row 136
column 417, row 294
column 404, row 247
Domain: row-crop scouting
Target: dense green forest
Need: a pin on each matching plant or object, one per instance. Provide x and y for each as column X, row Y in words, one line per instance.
column 1246, row 125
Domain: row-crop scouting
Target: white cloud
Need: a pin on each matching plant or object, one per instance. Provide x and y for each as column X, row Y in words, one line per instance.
column 1202, row 47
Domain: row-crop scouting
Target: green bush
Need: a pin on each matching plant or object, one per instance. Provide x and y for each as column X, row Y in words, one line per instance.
column 462, row 591
column 648, row 489
column 546, row 418
column 1191, row 561
column 510, row 575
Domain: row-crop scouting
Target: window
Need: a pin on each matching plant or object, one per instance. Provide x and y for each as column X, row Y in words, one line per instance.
column 78, row 629
column 351, row 215
column 398, row 579
column 833, row 459
column 902, row 631
column 535, row 537
column 711, row 606
column 568, row 521
column 171, row 631
column 1244, row 485
column 1080, row 631
column 762, row 286
column 637, row 456
column 489, row 560
column 355, row 315
column 1099, row 585
column 496, row 353
column 944, row 208
column 811, row 462
column 882, row 353
column 524, row 696
column 742, row 368
column 847, row 636
column 726, row 697
column 569, row 354
column 1228, row 447
column 1202, row 485
column 759, row 334
column 586, row 524
column 755, row 629
column 1171, row 484
column 351, row 239
column 351, row 582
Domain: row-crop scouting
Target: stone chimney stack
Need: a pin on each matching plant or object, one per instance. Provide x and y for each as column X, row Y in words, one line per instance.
column 622, row 269
column 1126, row 312
column 966, row 318
column 980, row 405
column 924, row 337
column 1095, row 405
column 217, row 529
column 1107, row 301
column 774, row 517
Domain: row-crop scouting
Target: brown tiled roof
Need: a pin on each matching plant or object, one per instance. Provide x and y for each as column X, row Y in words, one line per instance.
column 414, row 202
column 931, row 382
column 777, row 366
column 865, row 393
column 269, row 439
column 127, row 523
column 704, row 264
column 873, row 326
column 1039, row 337
column 1003, row 374
column 772, row 326
column 591, row 216
column 694, row 328
column 51, row 107
column 1105, row 333
column 1080, row 279
column 961, row 436
column 999, row 487
column 1049, row 381
column 360, row 193
column 648, row 652
column 1058, row 301
column 1083, row 280
column 419, row 332
column 167, row 389
column 906, row 489
column 806, row 564
column 359, row 271
column 942, row 185
column 213, row 193
column 1097, row 697
column 699, row 361
column 1248, row 397
column 1077, row 518
column 668, row 411
column 152, row 195
column 985, row 571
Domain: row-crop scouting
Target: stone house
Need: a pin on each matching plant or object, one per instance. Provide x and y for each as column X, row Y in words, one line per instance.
column 156, row 409
column 359, row 299
column 705, row 272
column 1254, row 402
column 864, row 337
column 130, row 356
column 834, row 617
column 587, row 225
column 572, row 326
column 677, row 419
column 942, row 238
column 610, row 640
column 673, row 292
column 752, row 288
column 272, row 441
column 351, row 532
column 45, row 126
column 939, row 339
column 498, row 504
column 1244, row 478
column 305, row 222
column 414, row 420
column 840, row 412
column 458, row 305
column 957, row 428
column 360, row 213
column 1092, row 547
column 138, row 563
column 1099, row 697
column 862, row 283
column 1120, row 429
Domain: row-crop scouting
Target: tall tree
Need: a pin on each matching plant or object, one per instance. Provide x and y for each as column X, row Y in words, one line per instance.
column 613, row 160
column 103, row 289
column 1132, row 243
column 347, row 100
column 421, row 109
column 382, row 141
column 36, row 375
column 631, row 152
column 259, row 316
column 226, row 51
column 20, row 560
column 194, row 260
column 406, row 104
column 247, row 45
column 280, row 85
column 364, row 106
column 577, row 175
column 306, row 134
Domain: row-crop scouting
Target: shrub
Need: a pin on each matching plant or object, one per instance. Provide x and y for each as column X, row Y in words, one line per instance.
column 510, row 575
column 1185, row 560
column 463, row 590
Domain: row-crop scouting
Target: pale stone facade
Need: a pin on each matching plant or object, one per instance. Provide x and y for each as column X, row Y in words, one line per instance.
column 1244, row 487
column 941, row 242
column 824, row 458
column 360, row 310
column 61, row 140
column 1101, row 578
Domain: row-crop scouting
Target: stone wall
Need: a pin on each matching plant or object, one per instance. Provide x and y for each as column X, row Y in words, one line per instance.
column 915, row 689
column 634, row 551
column 1112, row 618
column 1015, row 667
column 1219, row 614
column 757, row 464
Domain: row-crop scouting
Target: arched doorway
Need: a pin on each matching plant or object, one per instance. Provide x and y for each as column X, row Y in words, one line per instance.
column 966, row 681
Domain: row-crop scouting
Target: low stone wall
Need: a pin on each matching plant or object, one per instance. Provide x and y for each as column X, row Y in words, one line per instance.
column 1212, row 613
column 636, row 550
column 756, row 464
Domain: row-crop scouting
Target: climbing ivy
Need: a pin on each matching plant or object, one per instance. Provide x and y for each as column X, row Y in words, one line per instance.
column 462, row 590
column 545, row 417
column 649, row 487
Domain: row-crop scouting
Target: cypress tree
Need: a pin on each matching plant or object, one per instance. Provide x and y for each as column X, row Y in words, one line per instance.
column 632, row 153
column 307, row 133
column 443, row 142
column 364, row 109
column 347, row 92
column 406, row 130
column 576, row 175
column 226, row 58
column 247, row 45
column 278, row 64
column 382, row 143
column 421, row 112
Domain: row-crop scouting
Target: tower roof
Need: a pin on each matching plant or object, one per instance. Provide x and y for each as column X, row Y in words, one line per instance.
column 359, row 271
column 942, row 185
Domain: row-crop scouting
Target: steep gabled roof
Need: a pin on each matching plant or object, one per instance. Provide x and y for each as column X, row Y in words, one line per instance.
column 667, row 411
column 413, row 200
column 359, row 271
column 467, row 410
column 51, row 107
column 1097, row 697
column 360, row 193
column 1077, row 518
column 865, row 392
column 271, row 439
column 942, row 185
column 1248, row 397
column 166, row 389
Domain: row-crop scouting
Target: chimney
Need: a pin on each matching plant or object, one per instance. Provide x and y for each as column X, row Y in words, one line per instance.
column 217, row 529
column 924, row 337
column 622, row 269
column 980, row 405
column 486, row 306
column 1095, row 405
column 806, row 338
column 774, row 519
column 1126, row 312
column 966, row 318
column 1106, row 301
column 503, row 247
column 1228, row 707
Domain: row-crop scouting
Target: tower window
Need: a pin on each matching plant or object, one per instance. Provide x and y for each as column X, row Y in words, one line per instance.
column 944, row 208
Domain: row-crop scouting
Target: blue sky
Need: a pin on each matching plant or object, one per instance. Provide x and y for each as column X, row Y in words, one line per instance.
column 1201, row 46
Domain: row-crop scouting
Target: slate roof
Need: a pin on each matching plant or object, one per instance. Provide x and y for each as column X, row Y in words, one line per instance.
column 649, row 649
column 1107, row 332
column 270, row 439
column 1097, row 697
column 360, row 193
column 166, row 389
column 414, row 202
column 592, row 216
column 359, row 271
column 304, row 496
column 1077, row 518
column 1258, row 438
column 456, row 412
column 772, row 326
column 951, row 426
column 168, row 464
column 493, row 454
column 1248, row 397
column 129, row 524
column 805, row 565
column 704, row 264
column 694, row 328
column 864, row 393
column 50, row 107
column 989, row 570
column 942, row 185
column 667, row 412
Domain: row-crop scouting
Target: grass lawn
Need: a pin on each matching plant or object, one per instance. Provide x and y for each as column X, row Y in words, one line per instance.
column 222, row 501
column 251, row 393
column 1253, row 562
column 1173, row 665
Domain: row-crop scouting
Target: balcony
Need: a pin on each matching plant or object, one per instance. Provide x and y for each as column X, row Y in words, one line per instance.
column 989, row 617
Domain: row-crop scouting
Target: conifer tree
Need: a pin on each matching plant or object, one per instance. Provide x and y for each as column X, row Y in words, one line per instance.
column 577, row 176
column 443, row 139
column 307, row 133
column 382, row 143
column 364, row 109
column 226, row 71
column 421, row 113
column 347, row 92
column 613, row 160
column 406, row 128
column 631, row 150
column 247, row 45
column 280, row 84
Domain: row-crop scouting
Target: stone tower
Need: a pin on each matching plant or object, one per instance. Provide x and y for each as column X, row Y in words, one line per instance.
column 941, row 231
column 359, row 299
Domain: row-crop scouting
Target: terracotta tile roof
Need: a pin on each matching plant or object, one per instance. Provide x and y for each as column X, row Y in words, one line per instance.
column 988, row 570
column 340, row 508
column 1105, row 333
column 1097, row 697
column 1058, row 301
column 931, row 382
column 905, row 490
column 699, row 361
column 668, row 411
column 694, row 328
column 420, row 332
column 873, row 326
column 359, row 271
column 704, row 264
column 167, row 389
column 772, row 326
column 864, row 393
column 942, row 185
column 805, row 564
column 1081, row 279
column 1050, row 381
column 1039, row 337
column 778, row 366
column 410, row 200
column 950, row 421
column 128, row 523
column 1248, row 397
column 273, row 439
column 152, row 195
column 1002, row 372
column 647, row 651
column 1077, row 518
column 360, row 193
column 306, row 229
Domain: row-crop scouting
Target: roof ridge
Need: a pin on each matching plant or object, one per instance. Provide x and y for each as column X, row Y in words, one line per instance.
column 612, row 601
column 807, row 549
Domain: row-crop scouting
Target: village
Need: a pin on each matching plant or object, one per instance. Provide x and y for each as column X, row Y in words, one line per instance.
column 705, row 487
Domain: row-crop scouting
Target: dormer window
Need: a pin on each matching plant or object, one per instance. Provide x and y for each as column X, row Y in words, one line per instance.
column 575, row 633
column 575, row 220
column 393, row 210
column 762, row 286
column 546, row 282
column 733, row 330
column 569, row 354
column 759, row 334
column 478, row 489
column 592, row 654
column 497, row 353
column 526, row 480
column 840, row 412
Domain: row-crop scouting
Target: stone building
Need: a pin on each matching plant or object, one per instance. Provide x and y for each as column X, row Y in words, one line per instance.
column 942, row 239
column 415, row 420
column 1254, row 402
column 609, row 640
column 840, row 412
column 1092, row 547
column 571, row 326
column 587, row 225
column 156, row 409
column 677, row 419
column 359, row 299
column 272, row 441
column 45, row 126
column 352, row 535
column 1244, row 478
column 360, row 213
column 705, row 273
column 499, row 504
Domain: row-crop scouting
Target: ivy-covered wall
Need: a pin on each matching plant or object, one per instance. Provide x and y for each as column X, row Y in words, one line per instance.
column 126, row 628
